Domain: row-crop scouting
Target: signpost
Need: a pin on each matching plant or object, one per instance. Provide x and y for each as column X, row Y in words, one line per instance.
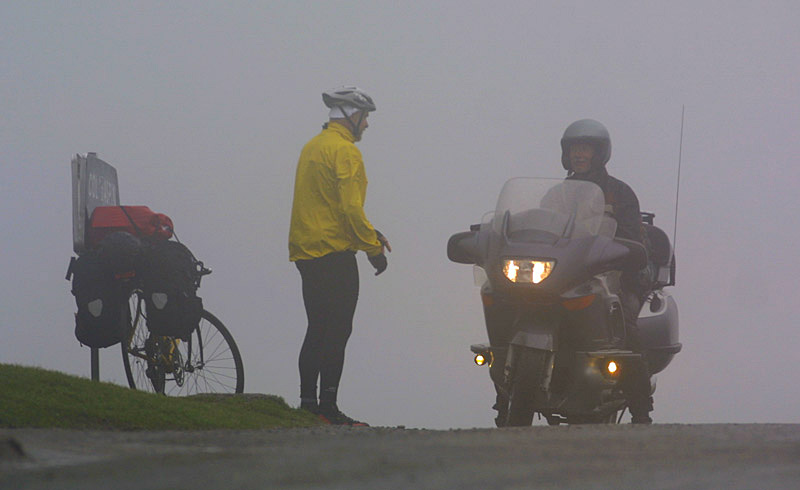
column 94, row 183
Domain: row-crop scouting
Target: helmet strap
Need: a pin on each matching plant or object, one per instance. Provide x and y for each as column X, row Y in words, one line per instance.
column 354, row 128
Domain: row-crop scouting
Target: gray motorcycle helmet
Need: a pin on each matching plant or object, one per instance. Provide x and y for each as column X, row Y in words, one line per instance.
column 587, row 131
column 348, row 96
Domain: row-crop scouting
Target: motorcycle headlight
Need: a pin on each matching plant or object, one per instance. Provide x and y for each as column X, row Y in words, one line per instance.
column 527, row 271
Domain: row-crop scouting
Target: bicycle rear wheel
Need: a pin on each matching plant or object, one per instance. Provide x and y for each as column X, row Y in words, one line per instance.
column 209, row 362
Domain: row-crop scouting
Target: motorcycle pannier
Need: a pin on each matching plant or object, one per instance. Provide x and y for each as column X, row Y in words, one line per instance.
column 98, row 322
column 168, row 276
column 136, row 220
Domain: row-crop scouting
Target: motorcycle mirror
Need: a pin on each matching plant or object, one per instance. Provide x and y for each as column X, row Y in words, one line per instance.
column 462, row 247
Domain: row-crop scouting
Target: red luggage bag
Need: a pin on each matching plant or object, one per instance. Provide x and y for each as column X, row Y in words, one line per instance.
column 136, row 220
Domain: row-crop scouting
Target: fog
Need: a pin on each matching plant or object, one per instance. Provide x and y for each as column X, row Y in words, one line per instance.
column 203, row 112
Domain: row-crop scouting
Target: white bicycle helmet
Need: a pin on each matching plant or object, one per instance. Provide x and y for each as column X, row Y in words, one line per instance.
column 346, row 101
column 348, row 96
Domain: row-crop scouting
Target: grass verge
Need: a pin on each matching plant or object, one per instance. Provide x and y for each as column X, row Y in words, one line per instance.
column 34, row 397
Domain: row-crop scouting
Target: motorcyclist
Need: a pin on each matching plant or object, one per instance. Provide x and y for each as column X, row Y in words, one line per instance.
column 585, row 151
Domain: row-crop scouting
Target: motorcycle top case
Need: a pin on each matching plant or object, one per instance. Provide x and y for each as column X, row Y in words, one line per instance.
column 168, row 274
column 98, row 322
column 136, row 220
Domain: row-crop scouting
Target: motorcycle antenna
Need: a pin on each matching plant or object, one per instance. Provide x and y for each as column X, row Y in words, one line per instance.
column 678, row 189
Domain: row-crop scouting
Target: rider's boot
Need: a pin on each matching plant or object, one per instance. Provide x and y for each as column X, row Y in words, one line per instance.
column 637, row 391
column 640, row 410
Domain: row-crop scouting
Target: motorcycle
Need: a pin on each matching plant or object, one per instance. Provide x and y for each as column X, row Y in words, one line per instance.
column 550, row 271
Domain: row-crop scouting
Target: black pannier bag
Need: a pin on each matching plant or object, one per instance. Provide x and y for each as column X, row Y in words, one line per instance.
column 168, row 274
column 120, row 253
column 99, row 322
column 101, row 284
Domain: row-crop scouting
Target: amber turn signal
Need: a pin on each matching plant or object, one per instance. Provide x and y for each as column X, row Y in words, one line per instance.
column 580, row 303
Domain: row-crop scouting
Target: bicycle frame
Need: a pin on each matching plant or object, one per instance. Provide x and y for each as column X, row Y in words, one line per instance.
column 179, row 365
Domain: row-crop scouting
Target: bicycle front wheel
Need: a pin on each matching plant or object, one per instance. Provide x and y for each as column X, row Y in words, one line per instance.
column 209, row 362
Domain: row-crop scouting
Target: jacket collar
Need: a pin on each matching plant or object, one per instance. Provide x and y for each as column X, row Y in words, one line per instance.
column 340, row 130
column 597, row 175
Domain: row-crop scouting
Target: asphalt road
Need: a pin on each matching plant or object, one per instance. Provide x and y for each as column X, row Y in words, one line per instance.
column 611, row 456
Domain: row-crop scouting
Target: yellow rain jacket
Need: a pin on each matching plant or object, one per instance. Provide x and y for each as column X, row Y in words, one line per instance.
column 329, row 191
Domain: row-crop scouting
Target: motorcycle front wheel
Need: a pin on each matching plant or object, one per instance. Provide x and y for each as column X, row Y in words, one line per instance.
column 525, row 395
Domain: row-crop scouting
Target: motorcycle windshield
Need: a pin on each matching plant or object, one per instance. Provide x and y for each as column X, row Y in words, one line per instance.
column 546, row 210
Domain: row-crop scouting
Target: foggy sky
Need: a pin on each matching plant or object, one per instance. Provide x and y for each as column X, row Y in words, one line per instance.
column 203, row 112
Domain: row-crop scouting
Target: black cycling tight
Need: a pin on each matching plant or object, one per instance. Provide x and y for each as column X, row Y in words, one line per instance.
column 330, row 293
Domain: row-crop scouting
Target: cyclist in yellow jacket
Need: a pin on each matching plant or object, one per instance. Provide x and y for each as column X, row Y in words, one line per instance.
column 328, row 227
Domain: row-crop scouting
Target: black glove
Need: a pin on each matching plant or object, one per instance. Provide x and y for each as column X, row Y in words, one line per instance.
column 383, row 241
column 378, row 262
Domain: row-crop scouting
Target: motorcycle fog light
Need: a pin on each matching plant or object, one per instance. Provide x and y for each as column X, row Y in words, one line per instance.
column 484, row 358
column 527, row 271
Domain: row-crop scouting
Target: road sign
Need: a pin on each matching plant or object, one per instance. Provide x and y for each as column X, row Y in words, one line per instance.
column 94, row 183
